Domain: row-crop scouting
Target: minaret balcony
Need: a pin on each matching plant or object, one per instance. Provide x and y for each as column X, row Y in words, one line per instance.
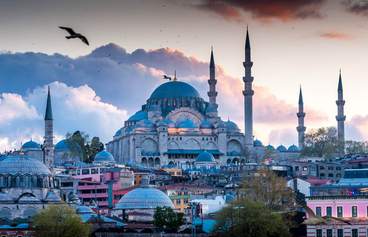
column 248, row 79
column 248, row 93
column 300, row 115
column 247, row 64
column 301, row 129
column 340, row 102
column 340, row 118
column 212, row 93
column 212, row 81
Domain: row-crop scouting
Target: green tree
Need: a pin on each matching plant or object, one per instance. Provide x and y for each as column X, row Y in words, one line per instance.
column 322, row 142
column 246, row 217
column 165, row 217
column 60, row 220
column 355, row 147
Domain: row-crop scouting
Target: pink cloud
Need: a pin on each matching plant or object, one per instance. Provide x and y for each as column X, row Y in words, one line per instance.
column 335, row 34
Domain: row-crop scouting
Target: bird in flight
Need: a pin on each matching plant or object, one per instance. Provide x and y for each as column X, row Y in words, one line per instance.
column 317, row 220
column 166, row 77
column 74, row 35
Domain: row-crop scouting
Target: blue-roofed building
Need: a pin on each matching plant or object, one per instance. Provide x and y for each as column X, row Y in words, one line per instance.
column 62, row 153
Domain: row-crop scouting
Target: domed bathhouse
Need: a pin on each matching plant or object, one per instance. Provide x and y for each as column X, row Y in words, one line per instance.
column 104, row 158
column 142, row 201
column 206, row 160
column 27, row 185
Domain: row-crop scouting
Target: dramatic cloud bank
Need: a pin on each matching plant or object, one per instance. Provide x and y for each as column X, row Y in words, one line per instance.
column 263, row 10
column 356, row 7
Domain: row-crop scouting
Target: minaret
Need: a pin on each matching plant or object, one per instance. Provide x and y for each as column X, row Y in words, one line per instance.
column 212, row 82
column 49, row 134
column 248, row 95
column 301, row 128
column 340, row 112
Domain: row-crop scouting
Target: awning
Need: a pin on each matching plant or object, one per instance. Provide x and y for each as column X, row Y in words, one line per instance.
column 196, row 152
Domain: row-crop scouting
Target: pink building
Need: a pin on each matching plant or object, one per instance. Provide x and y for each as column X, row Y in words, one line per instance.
column 347, row 200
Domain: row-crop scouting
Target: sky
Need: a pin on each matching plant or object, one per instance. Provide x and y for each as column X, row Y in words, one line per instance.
column 96, row 88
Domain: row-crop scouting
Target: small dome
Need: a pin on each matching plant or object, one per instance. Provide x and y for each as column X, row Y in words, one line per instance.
column 63, row 146
column 211, row 109
column 229, row 198
column 234, row 153
column 73, row 197
column 156, row 153
column 144, row 124
column 281, row 148
column 205, row 157
column 161, row 123
column 22, row 226
column 52, row 197
column 187, row 124
column 144, row 153
column 150, row 153
column 29, row 199
column 31, row 145
column 129, row 164
column 231, row 125
column 293, row 148
column 154, row 108
column 118, row 132
column 270, row 147
column 170, row 124
column 140, row 115
column 206, row 125
column 22, row 165
column 104, row 156
column 129, row 129
column 257, row 143
column 221, row 125
column 84, row 210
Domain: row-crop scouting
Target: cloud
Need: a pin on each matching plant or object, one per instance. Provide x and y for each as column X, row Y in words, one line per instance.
column 356, row 128
column 263, row 10
column 356, row 7
column 74, row 108
column 335, row 34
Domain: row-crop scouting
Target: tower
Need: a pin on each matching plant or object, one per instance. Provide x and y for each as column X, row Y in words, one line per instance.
column 49, row 134
column 340, row 112
column 248, row 95
column 301, row 128
column 212, row 82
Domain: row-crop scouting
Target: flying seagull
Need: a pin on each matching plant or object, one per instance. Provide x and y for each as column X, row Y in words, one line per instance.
column 317, row 220
column 166, row 77
column 74, row 35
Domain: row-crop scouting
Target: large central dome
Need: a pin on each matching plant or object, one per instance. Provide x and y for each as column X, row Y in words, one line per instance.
column 175, row 89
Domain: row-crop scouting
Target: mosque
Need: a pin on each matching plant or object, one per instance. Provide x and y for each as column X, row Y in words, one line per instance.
column 176, row 125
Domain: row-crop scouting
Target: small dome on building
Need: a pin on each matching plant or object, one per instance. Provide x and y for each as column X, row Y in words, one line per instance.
column 154, row 108
column 118, row 132
column 31, row 145
column 221, row 125
column 257, row 143
column 22, row 165
column 29, row 199
column 281, row 148
column 84, row 210
column 144, row 198
column 52, row 197
column 62, row 146
column 156, row 153
column 206, row 125
column 231, row 125
column 129, row 164
column 188, row 124
column 293, row 148
column 270, row 147
column 161, row 123
column 211, row 109
column 144, row 124
column 150, row 153
column 234, row 153
column 170, row 124
column 103, row 157
column 229, row 198
column 140, row 115
column 205, row 157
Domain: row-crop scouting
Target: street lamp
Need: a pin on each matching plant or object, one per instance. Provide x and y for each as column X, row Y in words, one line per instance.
column 193, row 204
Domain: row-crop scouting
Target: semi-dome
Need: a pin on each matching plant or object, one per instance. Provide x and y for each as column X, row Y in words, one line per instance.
column 293, row 148
column 83, row 210
column 270, row 147
column 138, row 116
column 281, row 148
column 170, row 124
column 231, row 125
column 175, row 89
column 118, row 132
column 257, row 143
column 22, row 165
column 211, row 109
column 144, row 124
column 154, row 108
column 205, row 157
column 188, row 124
column 144, row 198
column 31, row 145
column 206, row 125
column 104, row 156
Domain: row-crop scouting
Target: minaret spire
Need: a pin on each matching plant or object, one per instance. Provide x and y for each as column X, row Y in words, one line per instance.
column 248, row 95
column 301, row 128
column 340, row 118
column 49, row 134
column 212, row 94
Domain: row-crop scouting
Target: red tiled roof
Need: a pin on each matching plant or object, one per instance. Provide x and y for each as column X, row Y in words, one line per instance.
column 138, row 225
column 135, row 213
column 360, row 160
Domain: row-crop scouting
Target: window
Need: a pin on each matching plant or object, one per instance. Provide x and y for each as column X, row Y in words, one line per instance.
column 329, row 232
column 318, row 211
column 296, row 168
column 322, row 175
column 177, row 201
column 321, row 167
column 339, row 211
column 305, row 168
column 94, row 171
column 354, row 211
column 319, row 233
column 340, row 233
column 354, row 232
column 330, row 168
column 330, row 175
column 185, row 201
column 85, row 171
column 329, row 211
column 338, row 167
